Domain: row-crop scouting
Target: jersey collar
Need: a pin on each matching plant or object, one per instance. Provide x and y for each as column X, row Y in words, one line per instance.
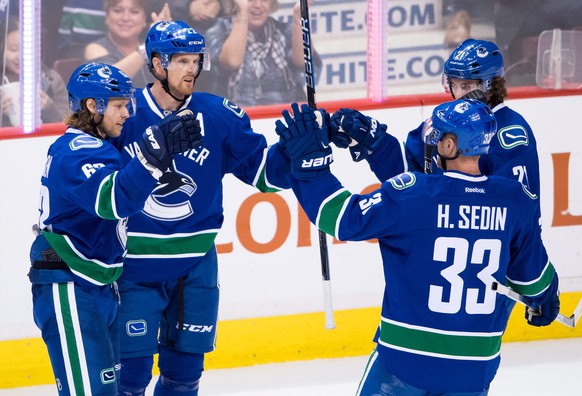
column 498, row 107
column 465, row 176
column 153, row 105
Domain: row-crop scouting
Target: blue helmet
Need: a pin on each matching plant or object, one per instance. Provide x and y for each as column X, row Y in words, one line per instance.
column 167, row 38
column 100, row 82
column 475, row 60
column 470, row 120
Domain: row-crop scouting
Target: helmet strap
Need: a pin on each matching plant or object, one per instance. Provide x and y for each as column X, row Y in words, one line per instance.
column 166, row 87
column 445, row 159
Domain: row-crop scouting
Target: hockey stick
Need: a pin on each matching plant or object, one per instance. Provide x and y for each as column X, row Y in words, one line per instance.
column 310, row 82
column 570, row 321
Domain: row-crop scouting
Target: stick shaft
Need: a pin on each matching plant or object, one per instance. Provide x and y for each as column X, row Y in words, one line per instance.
column 307, row 54
column 310, row 83
column 570, row 321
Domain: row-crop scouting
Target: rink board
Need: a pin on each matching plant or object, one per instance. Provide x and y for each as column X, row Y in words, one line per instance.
column 269, row 261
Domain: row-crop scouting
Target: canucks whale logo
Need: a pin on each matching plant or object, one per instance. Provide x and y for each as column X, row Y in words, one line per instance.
column 170, row 200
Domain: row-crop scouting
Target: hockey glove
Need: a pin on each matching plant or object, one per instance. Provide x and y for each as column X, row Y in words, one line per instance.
column 548, row 306
column 364, row 133
column 175, row 134
column 305, row 141
column 476, row 94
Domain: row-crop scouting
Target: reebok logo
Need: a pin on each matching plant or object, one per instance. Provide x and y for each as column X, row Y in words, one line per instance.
column 152, row 139
column 475, row 190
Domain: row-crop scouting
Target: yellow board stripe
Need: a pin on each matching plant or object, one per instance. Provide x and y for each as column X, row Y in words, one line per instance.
column 247, row 342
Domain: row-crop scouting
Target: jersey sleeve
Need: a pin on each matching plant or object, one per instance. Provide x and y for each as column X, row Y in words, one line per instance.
column 347, row 216
column 97, row 182
column 388, row 159
column 250, row 159
column 530, row 271
column 415, row 150
column 513, row 154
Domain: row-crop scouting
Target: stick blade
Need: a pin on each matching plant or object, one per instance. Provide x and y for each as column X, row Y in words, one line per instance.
column 572, row 320
column 328, row 305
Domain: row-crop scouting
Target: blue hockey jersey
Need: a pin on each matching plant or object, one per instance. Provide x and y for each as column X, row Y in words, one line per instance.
column 444, row 239
column 86, row 196
column 512, row 153
column 184, row 213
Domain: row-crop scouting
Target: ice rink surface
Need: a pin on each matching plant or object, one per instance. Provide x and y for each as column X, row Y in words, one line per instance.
column 537, row 368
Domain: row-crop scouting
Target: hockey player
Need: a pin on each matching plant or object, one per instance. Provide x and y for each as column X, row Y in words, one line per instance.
column 473, row 70
column 444, row 240
column 169, row 283
column 85, row 198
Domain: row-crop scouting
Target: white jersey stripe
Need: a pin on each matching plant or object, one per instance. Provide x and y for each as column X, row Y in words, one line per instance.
column 79, row 339
column 369, row 365
column 63, row 336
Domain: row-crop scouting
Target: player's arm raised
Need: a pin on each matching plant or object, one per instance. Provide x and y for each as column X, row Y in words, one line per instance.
column 367, row 138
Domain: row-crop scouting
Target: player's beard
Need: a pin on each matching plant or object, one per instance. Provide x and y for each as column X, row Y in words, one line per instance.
column 184, row 88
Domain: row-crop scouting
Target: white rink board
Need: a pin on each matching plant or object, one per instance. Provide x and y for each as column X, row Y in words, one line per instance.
column 288, row 279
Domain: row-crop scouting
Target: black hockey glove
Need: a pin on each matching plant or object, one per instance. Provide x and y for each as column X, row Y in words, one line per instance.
column 548, row 306
column 305, row 141
column 175, row 134
column 476, row 94
column 362, row 133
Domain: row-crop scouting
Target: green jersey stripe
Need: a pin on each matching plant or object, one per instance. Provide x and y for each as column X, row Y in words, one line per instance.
column 537, row 286
column 182, row 245
column 434, row 342
column 65, row 310
column 330, row 210
column 94, row 271
column 79, row 340
column 261, row 182
column 105, row 205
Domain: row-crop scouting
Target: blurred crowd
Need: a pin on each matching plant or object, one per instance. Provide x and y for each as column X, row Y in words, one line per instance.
column 256, row 58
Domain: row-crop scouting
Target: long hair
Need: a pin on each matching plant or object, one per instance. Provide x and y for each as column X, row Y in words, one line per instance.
column 498, row 92
column 82, row 120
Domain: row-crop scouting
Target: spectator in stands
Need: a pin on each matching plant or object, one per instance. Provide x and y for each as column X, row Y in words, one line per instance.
column 126, row 22
column 257, row 60
column 51, row 13
column 53, row 95
column 82, row 22
column 459, row 15
column 200, row 14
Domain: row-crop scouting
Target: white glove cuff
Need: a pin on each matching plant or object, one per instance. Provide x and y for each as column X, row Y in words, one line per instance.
column 155, row 172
